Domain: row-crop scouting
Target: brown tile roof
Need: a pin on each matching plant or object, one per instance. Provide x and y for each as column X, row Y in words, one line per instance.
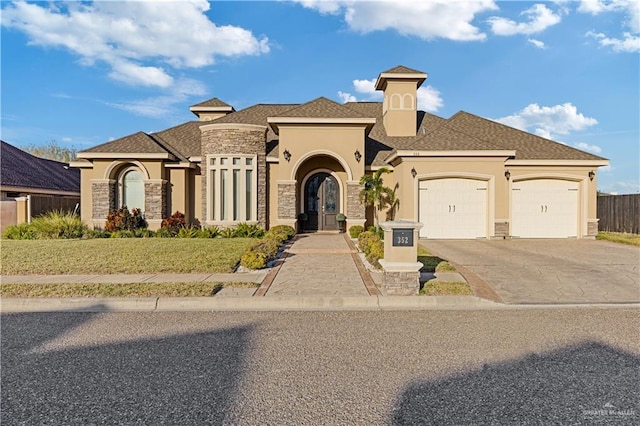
column 322, row 108
column 527, row 146
column 215, row 102
column 401, row 69
column 183, row 140
column 136, row 143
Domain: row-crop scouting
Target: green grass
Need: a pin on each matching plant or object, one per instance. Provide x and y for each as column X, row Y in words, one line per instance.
column 618, row 237
column 199, row 289
column 121, row 256
column 442, row 288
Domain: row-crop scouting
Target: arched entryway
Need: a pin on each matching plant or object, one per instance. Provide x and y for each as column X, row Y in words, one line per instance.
column 321, row 202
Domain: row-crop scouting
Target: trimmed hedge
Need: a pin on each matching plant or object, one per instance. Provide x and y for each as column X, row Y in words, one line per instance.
column 259, row 254
column 372, row 247
column 355, row 231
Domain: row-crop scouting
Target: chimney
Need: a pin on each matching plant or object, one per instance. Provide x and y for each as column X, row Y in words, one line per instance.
column 399, row 110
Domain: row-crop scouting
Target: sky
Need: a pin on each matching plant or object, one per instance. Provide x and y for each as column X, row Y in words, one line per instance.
column 84, row 73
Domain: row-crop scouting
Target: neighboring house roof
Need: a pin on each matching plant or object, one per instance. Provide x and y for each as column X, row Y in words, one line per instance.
column 23, row 170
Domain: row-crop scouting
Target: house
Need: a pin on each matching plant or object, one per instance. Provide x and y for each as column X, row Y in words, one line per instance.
column 462, row 177
column 31, row 185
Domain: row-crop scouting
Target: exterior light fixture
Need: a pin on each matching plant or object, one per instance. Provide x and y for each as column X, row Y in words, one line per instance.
column 507, row 174
column 413, row 172
column 592, row 174
column 287, row 155
column 357, row 155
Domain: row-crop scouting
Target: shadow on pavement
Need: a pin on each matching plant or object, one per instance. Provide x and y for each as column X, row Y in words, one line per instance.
column 180, row 379
column 584, row 384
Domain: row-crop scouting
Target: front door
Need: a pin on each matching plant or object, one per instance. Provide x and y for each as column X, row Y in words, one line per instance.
column 322, row 199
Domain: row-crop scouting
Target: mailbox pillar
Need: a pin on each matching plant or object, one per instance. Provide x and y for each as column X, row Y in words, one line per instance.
column 401, row 270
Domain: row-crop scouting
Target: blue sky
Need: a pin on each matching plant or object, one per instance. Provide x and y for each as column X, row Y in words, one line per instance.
column 83, row 73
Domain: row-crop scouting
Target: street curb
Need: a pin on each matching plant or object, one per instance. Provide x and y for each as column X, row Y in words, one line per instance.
column 329, row 303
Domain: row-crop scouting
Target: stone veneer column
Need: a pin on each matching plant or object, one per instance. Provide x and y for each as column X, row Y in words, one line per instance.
column 287, row 201
column 103, row 200
column 355, row 209
column 238, row 139
column 155, row 201
column 592, row 228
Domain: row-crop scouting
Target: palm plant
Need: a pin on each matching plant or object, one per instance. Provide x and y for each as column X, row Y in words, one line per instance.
column 375, row 194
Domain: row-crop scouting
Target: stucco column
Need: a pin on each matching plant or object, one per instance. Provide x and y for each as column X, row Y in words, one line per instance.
column 103, row 200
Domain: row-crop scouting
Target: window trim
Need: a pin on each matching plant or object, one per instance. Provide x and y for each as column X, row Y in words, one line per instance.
column 213, row 206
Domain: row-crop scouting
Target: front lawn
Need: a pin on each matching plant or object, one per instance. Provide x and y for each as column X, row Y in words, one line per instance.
column 199, row 289
column 122, row 256
column 619, row 237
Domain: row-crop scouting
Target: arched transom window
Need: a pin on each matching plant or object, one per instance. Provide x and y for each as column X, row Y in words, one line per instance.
column 131, row 189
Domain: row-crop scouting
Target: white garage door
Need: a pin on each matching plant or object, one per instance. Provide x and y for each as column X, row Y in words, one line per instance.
column 453, row 208
column 544, row 208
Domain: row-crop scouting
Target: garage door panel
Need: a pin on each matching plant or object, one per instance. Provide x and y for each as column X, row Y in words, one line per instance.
column 544, row 208
column 453, row 208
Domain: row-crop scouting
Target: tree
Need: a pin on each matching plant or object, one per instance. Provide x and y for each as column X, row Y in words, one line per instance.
column 375, row 194
column 52, row 151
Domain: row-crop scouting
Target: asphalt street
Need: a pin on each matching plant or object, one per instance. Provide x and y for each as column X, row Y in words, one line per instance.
column 565, row 366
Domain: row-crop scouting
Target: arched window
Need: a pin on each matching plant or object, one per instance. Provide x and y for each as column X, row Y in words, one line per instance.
column 132, row 189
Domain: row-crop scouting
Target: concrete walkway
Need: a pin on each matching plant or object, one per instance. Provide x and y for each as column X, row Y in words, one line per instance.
column 318, row 265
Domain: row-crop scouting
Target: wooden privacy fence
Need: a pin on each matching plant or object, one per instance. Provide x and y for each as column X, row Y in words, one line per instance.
column 41, row 204
column 619, row 213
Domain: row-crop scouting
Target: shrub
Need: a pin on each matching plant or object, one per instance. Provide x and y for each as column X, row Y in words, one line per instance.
column 377, row 230
column 188, row 232
column 210, row 232
column 174, row 223
column 143, row 233
column 355, row 231
column 19, row 232
column 95, row 233
column 253, row 260
column 279, row 237
column 123, row 220
column 244, row 230
column 163, row 233
column 289, row 231
column 269, row 247
column 363, row 239
column 375, row 252
column 228, row 233
column 54, row 225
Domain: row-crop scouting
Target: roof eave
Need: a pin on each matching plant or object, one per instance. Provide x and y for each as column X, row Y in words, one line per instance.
column 465, row 153
column 126, row 155
column 381, row 82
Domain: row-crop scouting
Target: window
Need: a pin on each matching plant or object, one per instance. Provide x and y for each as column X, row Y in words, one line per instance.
column 232, row 194
column 131, row 192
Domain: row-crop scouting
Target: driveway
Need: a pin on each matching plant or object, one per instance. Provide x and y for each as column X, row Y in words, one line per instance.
column 548, row 271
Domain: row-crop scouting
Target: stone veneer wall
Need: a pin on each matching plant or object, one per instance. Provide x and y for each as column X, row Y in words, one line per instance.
column 287, row 201
column 155, row 199
column 355, row 209
column 240, row 141
column 592, row 228
column 103, row 198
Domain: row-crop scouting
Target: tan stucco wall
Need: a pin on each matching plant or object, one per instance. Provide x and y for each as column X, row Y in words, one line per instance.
column 179, row 190
column 399, row 108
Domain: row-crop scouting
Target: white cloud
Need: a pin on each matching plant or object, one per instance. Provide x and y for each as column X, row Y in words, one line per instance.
column 630, row 40
column 588, row 147
column 163, row 106
column 429, row 98
column 537, row 43
column 446, row 19
column 630, row 43
column 135, row 38
column 549, row 121
column 539, row 18
column 346, row 97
